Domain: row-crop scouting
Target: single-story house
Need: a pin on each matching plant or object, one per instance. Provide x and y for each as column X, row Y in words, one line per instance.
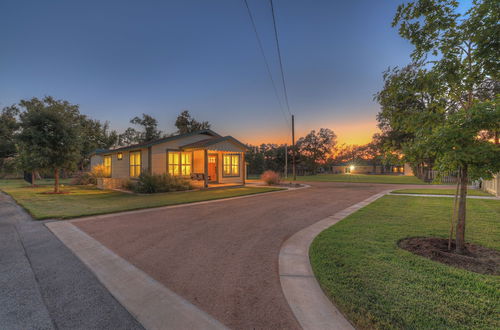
column 203, row 156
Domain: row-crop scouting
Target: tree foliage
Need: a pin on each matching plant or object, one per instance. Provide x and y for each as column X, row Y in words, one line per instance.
column 187, row 124
column 440, row 109
column 149, row 131
column 8, row 128
column 316, row 147
column 50, row 135
column 94, row 135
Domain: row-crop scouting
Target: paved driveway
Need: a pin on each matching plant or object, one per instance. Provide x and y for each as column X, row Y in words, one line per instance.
column 223, row 257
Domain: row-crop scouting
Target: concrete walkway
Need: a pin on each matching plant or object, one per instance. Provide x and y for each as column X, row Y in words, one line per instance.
column 44, row 286
column 434, row 195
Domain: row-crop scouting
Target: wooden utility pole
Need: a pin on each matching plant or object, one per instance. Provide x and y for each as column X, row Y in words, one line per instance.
column 293, row 150
column 286, row 161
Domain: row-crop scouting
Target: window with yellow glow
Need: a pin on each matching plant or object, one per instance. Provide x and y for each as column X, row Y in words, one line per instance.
column 231, row 165
column 135, row 164
column 107, row 166
column 180, row 163
column 186, row 163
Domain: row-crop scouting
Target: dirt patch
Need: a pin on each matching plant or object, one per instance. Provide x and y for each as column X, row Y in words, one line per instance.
column 476, row 258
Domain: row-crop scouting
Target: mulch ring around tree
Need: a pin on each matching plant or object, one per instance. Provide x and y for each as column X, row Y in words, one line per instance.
column 55, row 193
column 476, row 258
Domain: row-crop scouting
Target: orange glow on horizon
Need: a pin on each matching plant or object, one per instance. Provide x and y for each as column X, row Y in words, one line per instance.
column 349, row 133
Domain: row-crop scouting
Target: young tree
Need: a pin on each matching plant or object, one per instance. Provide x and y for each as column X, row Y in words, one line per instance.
column 187, row 124
column 464, row 55
column 317, row 146
column 50, row 135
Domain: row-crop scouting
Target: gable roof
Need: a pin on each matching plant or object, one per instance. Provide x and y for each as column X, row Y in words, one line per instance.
column 158, row 141
column 208, row 142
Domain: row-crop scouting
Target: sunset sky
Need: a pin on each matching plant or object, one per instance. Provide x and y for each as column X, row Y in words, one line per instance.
column 118, row 59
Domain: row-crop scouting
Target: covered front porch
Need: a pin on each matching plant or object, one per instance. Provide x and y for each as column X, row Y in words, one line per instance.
column 217, row 163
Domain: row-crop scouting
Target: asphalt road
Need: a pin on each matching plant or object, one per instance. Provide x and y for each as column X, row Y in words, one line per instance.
column 44, row 286
column 223, row 257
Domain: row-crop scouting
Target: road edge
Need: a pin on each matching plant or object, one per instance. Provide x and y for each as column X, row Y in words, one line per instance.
column 152, row 304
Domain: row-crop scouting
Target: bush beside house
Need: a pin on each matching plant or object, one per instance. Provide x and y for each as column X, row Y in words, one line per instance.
column 156, row 183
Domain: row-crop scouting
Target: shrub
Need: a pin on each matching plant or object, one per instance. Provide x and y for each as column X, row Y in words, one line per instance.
column 148, row 184
column 99, row 171
column 270, row 177
column 84, row 178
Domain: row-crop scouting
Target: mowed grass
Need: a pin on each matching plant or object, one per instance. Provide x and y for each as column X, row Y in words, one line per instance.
column 470, row 192
column 87, row 200
column 362, row 178
column 380, row 286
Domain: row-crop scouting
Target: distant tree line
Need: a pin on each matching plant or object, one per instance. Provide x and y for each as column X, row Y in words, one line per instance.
column 49, row 136
column 317, row 152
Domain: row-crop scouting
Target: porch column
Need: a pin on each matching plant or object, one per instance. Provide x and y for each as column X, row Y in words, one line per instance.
column 243, row 167
column 205, row 168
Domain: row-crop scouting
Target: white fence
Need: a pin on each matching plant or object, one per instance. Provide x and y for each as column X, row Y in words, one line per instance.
column 492, row 186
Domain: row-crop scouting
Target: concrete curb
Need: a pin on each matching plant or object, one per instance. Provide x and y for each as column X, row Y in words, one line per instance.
column 151, row 303
column 305, row 297
column 431, row 195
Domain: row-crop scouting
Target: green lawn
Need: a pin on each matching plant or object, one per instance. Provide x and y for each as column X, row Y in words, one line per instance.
column 85, row 200
column 380, row 286
column 365, row 178
column 471, row 192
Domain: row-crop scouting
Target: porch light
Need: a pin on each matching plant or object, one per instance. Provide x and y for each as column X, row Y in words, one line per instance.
column 119, row 156
column 351, row 168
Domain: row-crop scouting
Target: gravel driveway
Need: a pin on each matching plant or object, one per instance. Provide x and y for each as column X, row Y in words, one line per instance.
column 223, row 257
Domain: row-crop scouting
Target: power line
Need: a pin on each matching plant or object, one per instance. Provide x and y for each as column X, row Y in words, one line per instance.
column 261, row 48
column 279, row 58
column 284, row 89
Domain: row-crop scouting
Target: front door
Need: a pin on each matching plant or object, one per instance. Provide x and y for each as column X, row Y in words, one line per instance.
column 212, row 167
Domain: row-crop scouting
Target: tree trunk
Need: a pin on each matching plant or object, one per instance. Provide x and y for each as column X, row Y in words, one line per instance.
column 33, row 177
column 496, row 137
column 462, row 202
column 56, row 180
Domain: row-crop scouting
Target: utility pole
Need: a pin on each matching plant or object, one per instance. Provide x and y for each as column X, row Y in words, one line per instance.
column 286, row 161
column 293, row 150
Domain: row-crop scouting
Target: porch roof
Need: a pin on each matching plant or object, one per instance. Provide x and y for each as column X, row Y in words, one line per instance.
column 205, row 144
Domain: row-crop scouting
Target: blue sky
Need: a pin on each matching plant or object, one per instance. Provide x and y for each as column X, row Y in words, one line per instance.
column 118, row 59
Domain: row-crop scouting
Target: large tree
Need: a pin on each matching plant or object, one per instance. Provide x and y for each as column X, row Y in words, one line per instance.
column 95, row 135
column 149, row 131
column 316, row 147
column 50, row 135
column 187, row 124
column 8, row 128
column 456, row 59
column 413, row 102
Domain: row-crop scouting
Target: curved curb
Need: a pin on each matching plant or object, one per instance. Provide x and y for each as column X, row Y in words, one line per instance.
column 305, row 297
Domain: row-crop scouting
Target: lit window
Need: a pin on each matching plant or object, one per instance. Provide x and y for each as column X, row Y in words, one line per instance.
column 119, row 156
column 231, row 164
column 107, row 166
column 180, row 163
column 135, row 164
column 186, row 163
